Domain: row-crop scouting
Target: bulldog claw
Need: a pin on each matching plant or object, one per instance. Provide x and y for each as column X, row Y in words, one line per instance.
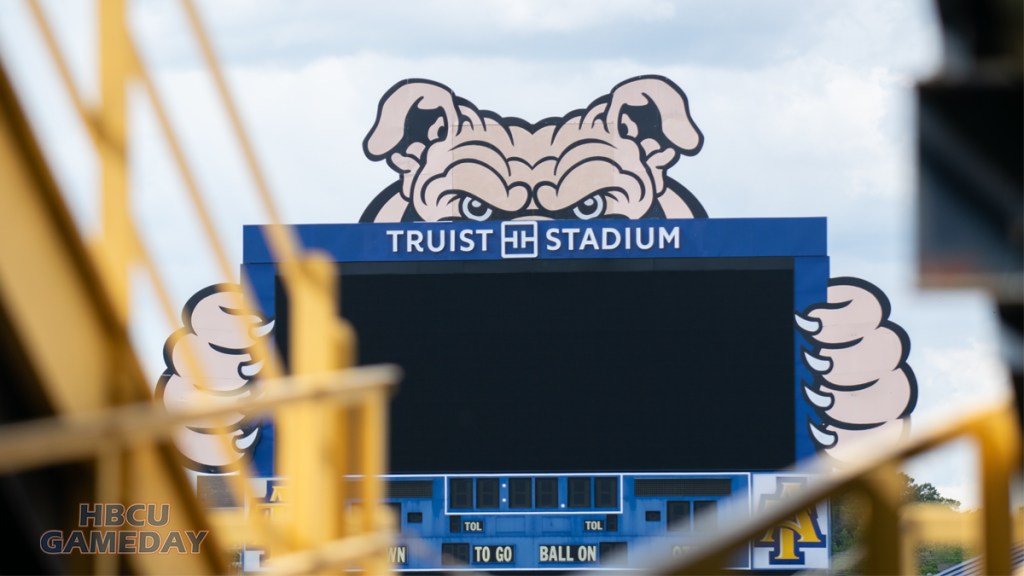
column 809, row 325
column 245, row 441
column 820, row 365
column 823, row 438
column 263, row 330
column 822, row 401
column 250, row 370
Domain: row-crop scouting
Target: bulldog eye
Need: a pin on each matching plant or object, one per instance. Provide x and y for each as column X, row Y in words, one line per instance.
column 475, row 209
column 591, row 207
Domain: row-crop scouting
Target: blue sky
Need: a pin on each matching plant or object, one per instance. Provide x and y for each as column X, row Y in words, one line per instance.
column 807, row 110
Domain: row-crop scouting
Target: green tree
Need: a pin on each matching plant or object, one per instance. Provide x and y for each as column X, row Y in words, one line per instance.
column 849, row 512
column 914, row 492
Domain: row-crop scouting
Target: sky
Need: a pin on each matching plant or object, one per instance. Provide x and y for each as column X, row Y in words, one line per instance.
column 807, row 109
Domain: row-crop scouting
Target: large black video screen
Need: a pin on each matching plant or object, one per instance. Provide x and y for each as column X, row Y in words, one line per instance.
column 603, row 366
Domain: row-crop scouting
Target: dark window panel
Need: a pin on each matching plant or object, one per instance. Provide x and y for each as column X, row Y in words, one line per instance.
column 547, row 492
column 606, row 492
column 520, row 493
column 579, row 492
column 487, row 493
column 460, row 494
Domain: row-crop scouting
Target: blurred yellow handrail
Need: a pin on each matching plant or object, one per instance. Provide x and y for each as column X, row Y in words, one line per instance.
column 875, row 475
column 47, row 441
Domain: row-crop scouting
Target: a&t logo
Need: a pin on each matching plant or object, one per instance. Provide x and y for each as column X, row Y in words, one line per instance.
column 789, row 539
column 519, row 239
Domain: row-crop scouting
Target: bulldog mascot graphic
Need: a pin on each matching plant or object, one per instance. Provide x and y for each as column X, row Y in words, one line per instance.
column 611, row 159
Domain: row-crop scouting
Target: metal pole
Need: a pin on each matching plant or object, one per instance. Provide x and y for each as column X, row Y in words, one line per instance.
column 115, row 244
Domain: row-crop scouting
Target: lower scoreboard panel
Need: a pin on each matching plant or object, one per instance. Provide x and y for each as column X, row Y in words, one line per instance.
column 566, row 521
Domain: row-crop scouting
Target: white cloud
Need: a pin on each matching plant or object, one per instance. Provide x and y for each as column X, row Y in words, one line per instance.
column 534, row 15
column 959, row 378
column 953, row 382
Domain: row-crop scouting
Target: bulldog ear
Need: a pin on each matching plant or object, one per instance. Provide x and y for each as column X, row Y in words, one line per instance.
column 411, row 115
column 653, row 111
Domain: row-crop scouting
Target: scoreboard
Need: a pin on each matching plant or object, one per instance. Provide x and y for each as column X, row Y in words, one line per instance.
column 575, row 389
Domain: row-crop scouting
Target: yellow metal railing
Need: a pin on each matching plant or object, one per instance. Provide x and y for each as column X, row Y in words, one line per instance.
column 893, row 530
column 316, row 438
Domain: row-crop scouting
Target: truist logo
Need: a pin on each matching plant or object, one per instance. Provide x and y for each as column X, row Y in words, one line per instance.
column 519, row 239
column 533, row 239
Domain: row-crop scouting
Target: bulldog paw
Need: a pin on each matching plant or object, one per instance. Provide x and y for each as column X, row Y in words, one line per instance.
column 221, row 338
column 862, row 385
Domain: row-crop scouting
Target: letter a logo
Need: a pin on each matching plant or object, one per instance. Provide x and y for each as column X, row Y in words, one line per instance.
column 789, row 539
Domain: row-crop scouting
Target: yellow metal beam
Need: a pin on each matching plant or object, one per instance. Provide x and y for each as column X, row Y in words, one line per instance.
column 73, row 340
column 1000, row 450
column 49, row 288
column 48, row 441
column 114, row 70
column 314, row 449
column 882, row 487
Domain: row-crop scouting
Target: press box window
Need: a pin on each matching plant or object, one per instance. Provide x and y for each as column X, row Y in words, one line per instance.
column 547, row 492
column 679, row 515
column 579, row 492
column 606, row 492
column 705, row 515
column 486, row 492
column 460, row 494
column 520, row 493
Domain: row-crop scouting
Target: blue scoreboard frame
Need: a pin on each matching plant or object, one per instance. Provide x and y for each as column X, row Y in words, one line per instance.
column 440, row 529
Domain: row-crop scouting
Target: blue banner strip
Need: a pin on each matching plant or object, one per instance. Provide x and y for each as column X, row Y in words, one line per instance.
column 556, row 239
